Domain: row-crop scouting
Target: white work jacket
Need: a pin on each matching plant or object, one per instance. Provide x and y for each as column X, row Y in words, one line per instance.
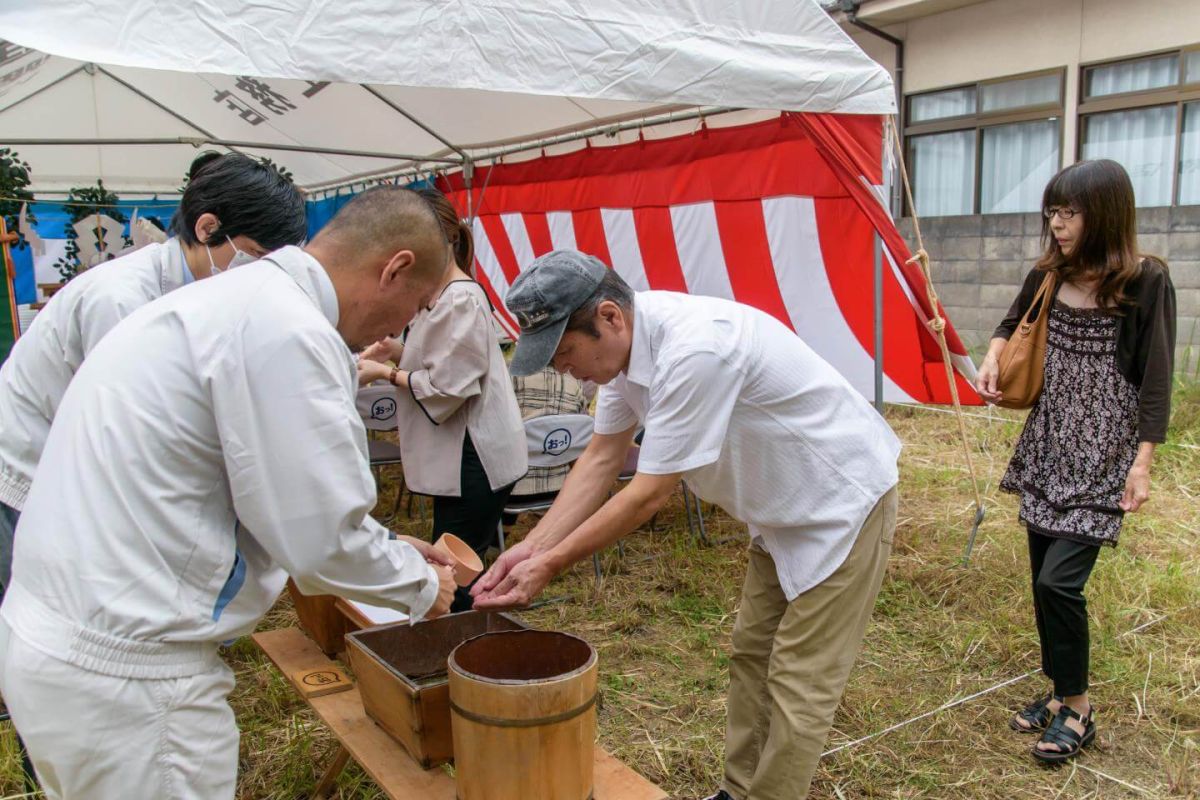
column 208, row 444
column 43, row 361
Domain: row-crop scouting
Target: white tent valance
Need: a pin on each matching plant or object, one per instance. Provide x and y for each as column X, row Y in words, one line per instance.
column 126, row 89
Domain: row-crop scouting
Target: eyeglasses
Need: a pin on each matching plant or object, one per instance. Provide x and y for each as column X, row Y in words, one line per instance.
column 1064, row 212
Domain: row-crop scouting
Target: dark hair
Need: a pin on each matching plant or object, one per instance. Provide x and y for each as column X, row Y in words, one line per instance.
column 1102, row 192
column 458, row 233
column 247, row 197
column 612, row 287
column 383, row 220
column 201, row 161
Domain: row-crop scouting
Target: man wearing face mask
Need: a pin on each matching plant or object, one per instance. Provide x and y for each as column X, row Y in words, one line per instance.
column 234, row 210
column 207, row 448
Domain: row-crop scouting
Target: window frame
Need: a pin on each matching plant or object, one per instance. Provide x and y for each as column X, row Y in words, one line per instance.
column 981, row 120
column 1178, row 95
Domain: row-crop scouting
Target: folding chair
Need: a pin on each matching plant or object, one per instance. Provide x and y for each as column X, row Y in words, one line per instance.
column 376, row 405
column 630, row 469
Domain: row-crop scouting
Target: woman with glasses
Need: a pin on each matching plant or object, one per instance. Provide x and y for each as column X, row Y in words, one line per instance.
column 1083, row 459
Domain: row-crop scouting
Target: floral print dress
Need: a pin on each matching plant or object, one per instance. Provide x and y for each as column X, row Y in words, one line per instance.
column 1080, row 438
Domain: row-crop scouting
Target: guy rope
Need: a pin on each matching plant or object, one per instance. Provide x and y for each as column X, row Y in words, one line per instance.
column 937, row 324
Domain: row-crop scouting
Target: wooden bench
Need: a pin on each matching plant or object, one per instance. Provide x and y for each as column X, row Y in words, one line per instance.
column 400, row 778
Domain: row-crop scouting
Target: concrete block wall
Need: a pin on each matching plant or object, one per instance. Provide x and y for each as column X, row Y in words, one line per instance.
column 978, row 264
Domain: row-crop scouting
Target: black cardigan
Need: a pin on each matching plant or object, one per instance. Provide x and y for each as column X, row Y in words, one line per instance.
column 1145, row 341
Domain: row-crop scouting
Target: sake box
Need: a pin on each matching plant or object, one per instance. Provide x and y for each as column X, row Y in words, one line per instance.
column 402, row 675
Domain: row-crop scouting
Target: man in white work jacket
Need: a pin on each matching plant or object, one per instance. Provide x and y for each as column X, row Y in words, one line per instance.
column 208, row 446
column 235, row 209
column 733, row 402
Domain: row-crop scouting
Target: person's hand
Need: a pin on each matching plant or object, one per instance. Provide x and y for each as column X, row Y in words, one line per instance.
column 433, row 555
column 502, row 566
column 524, row 582
column 1137, row 489
column 386, row 349
column 445, row 595
column 370, row 371
column 987, row 378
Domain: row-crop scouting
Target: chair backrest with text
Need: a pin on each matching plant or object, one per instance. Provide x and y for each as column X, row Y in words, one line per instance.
column 557, row 439
column 376, row 405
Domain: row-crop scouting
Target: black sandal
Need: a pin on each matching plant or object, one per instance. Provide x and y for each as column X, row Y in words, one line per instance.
column 1069, row 742
column 1037, row 714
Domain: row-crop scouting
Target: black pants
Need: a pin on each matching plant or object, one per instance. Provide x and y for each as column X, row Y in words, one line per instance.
column 1060, row 570
column 474, row 516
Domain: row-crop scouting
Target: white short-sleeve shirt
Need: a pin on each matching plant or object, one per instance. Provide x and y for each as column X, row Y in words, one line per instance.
column 758, row 424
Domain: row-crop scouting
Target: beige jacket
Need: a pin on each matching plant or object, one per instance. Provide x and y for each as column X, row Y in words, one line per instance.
column 458, row 383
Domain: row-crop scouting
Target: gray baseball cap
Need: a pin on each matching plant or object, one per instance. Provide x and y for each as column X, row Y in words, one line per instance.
column 542, row 299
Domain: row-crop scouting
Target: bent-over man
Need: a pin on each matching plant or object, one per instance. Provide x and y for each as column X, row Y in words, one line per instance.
column 208, row 446
column 733, row 402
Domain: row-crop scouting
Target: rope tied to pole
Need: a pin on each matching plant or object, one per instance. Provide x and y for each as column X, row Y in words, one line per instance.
column 937, row 325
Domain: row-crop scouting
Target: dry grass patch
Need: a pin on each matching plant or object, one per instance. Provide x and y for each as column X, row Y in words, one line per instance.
column 662, row 616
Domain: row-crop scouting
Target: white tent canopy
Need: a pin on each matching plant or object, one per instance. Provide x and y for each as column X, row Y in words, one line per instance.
column 125, row 90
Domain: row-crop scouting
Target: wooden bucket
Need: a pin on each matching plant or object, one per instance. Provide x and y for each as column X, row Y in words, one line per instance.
column 523, row 713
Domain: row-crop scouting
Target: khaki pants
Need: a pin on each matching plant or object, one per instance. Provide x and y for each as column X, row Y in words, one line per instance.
column 791, row 662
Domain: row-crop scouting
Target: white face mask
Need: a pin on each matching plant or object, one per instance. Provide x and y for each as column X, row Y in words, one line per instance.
column 239, row 258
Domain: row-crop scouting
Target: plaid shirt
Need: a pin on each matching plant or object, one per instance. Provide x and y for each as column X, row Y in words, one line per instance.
column 540, row 394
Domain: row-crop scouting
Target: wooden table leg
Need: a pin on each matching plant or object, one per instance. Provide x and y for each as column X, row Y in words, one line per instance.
column 325, row 785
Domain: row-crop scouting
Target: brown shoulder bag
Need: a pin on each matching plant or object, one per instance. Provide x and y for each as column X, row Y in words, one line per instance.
column 1023, row 359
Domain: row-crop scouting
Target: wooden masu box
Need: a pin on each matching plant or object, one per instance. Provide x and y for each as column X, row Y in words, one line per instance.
column 401, row 672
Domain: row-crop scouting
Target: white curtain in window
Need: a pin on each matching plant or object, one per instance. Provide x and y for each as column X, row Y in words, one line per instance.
column 1142, row 141
column 1036, row 91
column 1133, row 76
column 1189, row 157
column 940, row 105
column 1018, row 161
column 943, row 167
column 1191, row 66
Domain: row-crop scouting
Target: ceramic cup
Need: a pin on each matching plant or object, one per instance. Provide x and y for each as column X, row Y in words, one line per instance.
column 467, row 565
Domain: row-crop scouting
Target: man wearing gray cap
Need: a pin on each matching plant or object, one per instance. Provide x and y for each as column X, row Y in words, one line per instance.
column 733, row 402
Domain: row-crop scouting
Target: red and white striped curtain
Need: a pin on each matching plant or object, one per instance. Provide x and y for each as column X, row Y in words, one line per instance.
column 777, row 214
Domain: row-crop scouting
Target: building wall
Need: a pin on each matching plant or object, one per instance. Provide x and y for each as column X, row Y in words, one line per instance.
column 979, row 262
column 999, row 38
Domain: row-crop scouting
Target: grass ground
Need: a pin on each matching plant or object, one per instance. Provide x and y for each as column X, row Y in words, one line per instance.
column 941, row 633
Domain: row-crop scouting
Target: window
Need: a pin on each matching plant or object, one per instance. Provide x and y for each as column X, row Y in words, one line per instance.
column 1142, row 141
column 1040, row 90
column 1191, row 67
column 1131, row 76
column 1142, row 113
column 1189, row 157
column 943, row 166
column 986, row 148
column 1018, row 161
column 940, row 105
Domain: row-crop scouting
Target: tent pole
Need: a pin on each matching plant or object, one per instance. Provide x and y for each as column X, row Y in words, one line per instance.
column 50, row 85
column 197, row 141
column 699, row 113
column 538, row 144
column 149, row 99
column 468, row 169
column 399, row 110
column 878, row 273
column 878, row 248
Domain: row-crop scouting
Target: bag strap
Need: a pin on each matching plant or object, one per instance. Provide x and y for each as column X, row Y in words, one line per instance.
column 1044, row 292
